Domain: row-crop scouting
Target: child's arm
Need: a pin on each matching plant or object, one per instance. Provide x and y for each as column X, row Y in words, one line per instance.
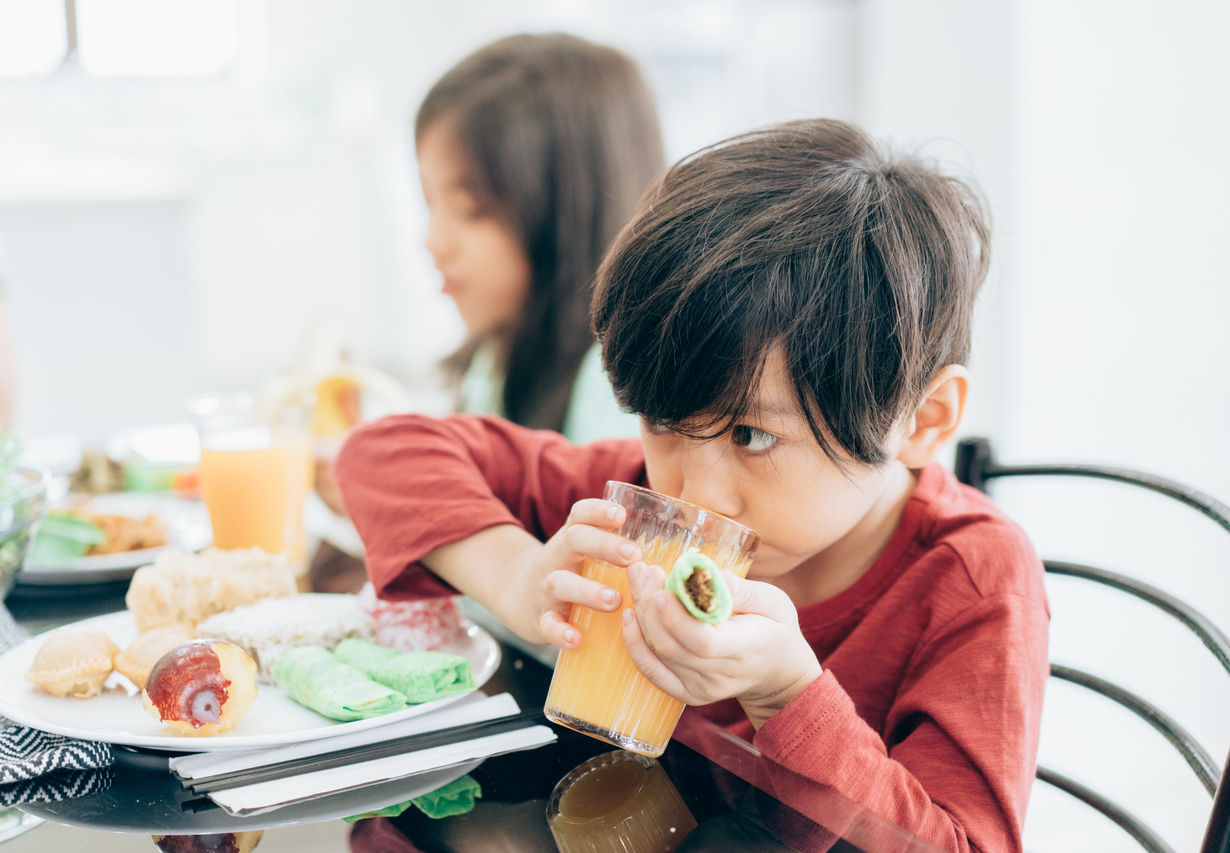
column 472, row 498
column 534, row 595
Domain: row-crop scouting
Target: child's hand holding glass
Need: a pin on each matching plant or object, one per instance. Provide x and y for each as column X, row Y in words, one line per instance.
column 541, row 581
column 758, row 656
column 588, row 533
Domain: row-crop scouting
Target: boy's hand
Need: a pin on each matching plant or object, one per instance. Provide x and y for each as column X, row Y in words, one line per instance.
column 549, row 575
column 758, row 656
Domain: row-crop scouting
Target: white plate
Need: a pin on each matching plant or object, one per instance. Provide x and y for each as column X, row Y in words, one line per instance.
column 186, row 522
column 116, row 715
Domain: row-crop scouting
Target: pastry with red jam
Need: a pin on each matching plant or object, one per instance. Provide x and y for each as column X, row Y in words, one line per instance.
column 201, row 688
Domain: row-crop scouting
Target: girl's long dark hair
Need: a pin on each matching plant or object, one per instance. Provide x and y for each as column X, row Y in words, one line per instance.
column 562, row 139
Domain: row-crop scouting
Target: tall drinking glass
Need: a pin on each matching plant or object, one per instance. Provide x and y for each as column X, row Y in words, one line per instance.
column 256, row 470
column 596, row 689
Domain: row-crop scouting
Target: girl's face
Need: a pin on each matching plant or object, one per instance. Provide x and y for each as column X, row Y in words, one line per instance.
column 486, row 269
column 769, row 474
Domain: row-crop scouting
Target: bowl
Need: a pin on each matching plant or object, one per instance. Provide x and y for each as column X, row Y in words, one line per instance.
column 23, row 501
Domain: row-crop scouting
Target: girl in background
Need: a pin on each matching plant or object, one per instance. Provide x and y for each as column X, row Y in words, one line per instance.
column 532, row 153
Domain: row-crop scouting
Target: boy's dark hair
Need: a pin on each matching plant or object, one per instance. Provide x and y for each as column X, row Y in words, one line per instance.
column 562, row 139
column 862, row 267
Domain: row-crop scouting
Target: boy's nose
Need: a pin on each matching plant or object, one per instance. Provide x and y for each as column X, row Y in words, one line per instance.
column 709, row 479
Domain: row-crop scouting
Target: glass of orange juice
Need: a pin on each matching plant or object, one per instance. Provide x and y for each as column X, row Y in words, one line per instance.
column 596, row 689
column 256, row 470
column 616, row 802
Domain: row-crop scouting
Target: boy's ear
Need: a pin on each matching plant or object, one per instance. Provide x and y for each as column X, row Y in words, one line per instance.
column 936, row 418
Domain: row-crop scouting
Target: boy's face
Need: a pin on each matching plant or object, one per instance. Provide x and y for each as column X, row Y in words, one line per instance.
column 769, row 474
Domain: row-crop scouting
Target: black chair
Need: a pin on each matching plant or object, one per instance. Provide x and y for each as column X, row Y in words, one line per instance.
column 976, row 466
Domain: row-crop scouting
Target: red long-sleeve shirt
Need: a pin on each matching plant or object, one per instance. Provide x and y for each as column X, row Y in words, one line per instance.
column 928, row 710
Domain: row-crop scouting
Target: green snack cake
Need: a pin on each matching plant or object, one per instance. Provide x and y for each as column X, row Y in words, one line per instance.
column 456, row 797
column 696, row 581
column 419, row 676
column 314, row 678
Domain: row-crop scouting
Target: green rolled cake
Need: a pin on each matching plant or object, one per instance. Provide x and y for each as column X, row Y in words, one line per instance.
column 457, row 797
column 313, row 677
column 419, row 676
column 696, row 581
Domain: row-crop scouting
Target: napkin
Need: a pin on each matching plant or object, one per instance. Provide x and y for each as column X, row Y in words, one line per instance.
column 262, row 796
column 40, row 766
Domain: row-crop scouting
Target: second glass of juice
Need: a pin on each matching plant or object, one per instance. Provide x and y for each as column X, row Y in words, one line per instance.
column 256, row 470
column 596, row 689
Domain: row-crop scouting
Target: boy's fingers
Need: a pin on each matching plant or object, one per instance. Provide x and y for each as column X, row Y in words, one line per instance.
column 571, row 587
column 644, row 658
column 584, row 540
column 663, row 622
column 597, row 512
column 760, row 598
column 558, row 631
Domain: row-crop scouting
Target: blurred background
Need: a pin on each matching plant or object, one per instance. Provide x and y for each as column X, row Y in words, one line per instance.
column 193, row 193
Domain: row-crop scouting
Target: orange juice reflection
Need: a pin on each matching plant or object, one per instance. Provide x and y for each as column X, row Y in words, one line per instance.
column 596, row 689
column 618, row 802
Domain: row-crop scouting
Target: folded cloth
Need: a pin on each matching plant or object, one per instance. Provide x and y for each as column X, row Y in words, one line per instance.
column 56, row 786
column 419, row 676
column 40, row 766
column 313, row 677
column 27, row 754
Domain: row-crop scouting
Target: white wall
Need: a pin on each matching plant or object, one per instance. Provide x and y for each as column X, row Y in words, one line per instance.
column 294, row 181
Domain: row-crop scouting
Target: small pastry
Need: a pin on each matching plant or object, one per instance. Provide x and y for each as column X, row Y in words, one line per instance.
column 141, row 654
column 696, row 581
column 201, row 687
column 73, row 663
column 189, row 588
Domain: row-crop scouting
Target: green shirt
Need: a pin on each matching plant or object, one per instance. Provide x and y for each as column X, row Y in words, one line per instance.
column 592, row 411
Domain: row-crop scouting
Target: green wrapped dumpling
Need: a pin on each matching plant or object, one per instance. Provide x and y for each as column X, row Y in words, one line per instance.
column 696, row 581
column 419, row 676
column 314, row 678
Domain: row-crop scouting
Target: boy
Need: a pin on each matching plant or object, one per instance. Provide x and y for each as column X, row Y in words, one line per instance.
column 789, row 314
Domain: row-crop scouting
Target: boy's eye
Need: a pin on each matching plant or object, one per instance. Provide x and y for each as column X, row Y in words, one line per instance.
column 751, row 439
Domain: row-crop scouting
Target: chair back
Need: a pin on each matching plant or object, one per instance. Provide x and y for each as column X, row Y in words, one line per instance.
column 977, row 466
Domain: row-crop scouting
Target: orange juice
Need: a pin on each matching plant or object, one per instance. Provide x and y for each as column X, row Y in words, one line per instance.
column 596, row 688
column 255, row 495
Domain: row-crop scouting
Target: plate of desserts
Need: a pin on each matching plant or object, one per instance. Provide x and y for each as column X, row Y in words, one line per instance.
column 217, row 651
column 106, row 537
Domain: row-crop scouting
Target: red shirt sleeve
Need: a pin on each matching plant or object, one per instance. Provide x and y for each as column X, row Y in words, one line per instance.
column 959, row 760
column 412, row 483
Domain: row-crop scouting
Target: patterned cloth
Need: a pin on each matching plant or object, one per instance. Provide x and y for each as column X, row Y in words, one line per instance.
column 40, row 766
